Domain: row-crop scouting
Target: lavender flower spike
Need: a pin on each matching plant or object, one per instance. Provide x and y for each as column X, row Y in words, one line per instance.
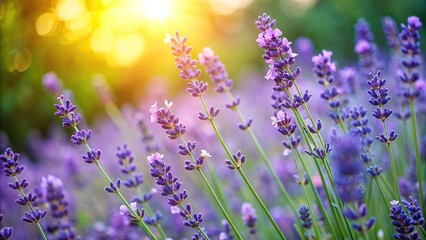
column 66, row 111
column 171, row 189
column 60, row 224
column 410, row 38
column 216, row 70
column 11, row 168
column 325, row 69
column 403, row 223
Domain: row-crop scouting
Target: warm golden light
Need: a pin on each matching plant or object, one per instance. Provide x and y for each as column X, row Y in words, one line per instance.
column 69, row 9
column 127, row 50
column 156, row 9
column 46, row 24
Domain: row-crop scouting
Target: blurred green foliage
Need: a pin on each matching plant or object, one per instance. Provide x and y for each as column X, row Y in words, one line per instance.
column 25, row 105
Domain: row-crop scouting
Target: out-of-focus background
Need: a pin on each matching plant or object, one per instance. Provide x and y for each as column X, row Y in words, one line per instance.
column 124, row 42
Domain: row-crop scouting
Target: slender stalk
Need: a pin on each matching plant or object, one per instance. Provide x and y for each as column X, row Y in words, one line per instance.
column 394, row 174
column 123, row 200
column 314, row 220
column 331, row 198
column 317, row 196
column 417, row 151
column 381, row 192
column 324, row 183
column 219, row 136
column 213, row 193
column 21, row 192
column 149, row 211
column 265, row 158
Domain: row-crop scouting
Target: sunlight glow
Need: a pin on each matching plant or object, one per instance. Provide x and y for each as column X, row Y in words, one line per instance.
column 156, row 9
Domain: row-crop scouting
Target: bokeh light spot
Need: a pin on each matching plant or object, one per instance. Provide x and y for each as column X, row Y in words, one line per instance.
column 46, row 24
column 226, row 7
column 102, row 40
column 18, row 61
column 127, row 50
column 155, row 9
column 69, row 9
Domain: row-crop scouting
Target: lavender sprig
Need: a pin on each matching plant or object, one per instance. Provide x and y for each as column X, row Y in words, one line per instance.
column 53, row 193
column 66, row 111
column 379, row 98
column 306, row 220
column 365, row 47
column 357, row 217
column 170, row 187
column 134, row 180
column 280, row 57
column 189, row 71
column 361, row 130
column 218, row 74
column 404, row 225
column 325, row 69
column 391, row 31
column 410, row 48
column 170, row 122
column 12, row 168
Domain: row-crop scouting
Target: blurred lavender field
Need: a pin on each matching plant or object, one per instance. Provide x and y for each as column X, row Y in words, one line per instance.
column 114, row 126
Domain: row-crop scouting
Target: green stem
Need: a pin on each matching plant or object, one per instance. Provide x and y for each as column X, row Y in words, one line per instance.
column 417, row 151
column 265, row 158
column 140, row 220
column 21, row 192
column 381, row 192
column 317, row 196
column 302, row 184
column 123, row 200
column 190, row 216
column 219, row 136
column 324, row 183
column 149, row 211
column 394, row 174
column 213, row 193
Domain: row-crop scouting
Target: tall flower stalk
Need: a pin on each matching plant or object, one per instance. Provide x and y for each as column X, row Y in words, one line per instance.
column 218, row 74
column 280, row 58
column 410, row 48
column 190, row 72
column 13, row 169
column 134, row 181
column 175, row 130
column 379, row 97
column 66, row 111
column 170, row 187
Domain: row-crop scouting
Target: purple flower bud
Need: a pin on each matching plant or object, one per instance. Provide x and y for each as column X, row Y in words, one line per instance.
column 81, row 137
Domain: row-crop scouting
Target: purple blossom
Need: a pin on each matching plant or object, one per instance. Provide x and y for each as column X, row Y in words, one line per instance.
column 404, row 225
column 53, row 193
column 357, row 215
column 167, row 120
column 305, row 217
column 52, row 83
column 365, row 47
column 6, row 232
column 391, row 31
column 13, row 169
column 410, row 39
column 170, row 187
column 248, row 214
column 125, row 159
column 216, row 70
